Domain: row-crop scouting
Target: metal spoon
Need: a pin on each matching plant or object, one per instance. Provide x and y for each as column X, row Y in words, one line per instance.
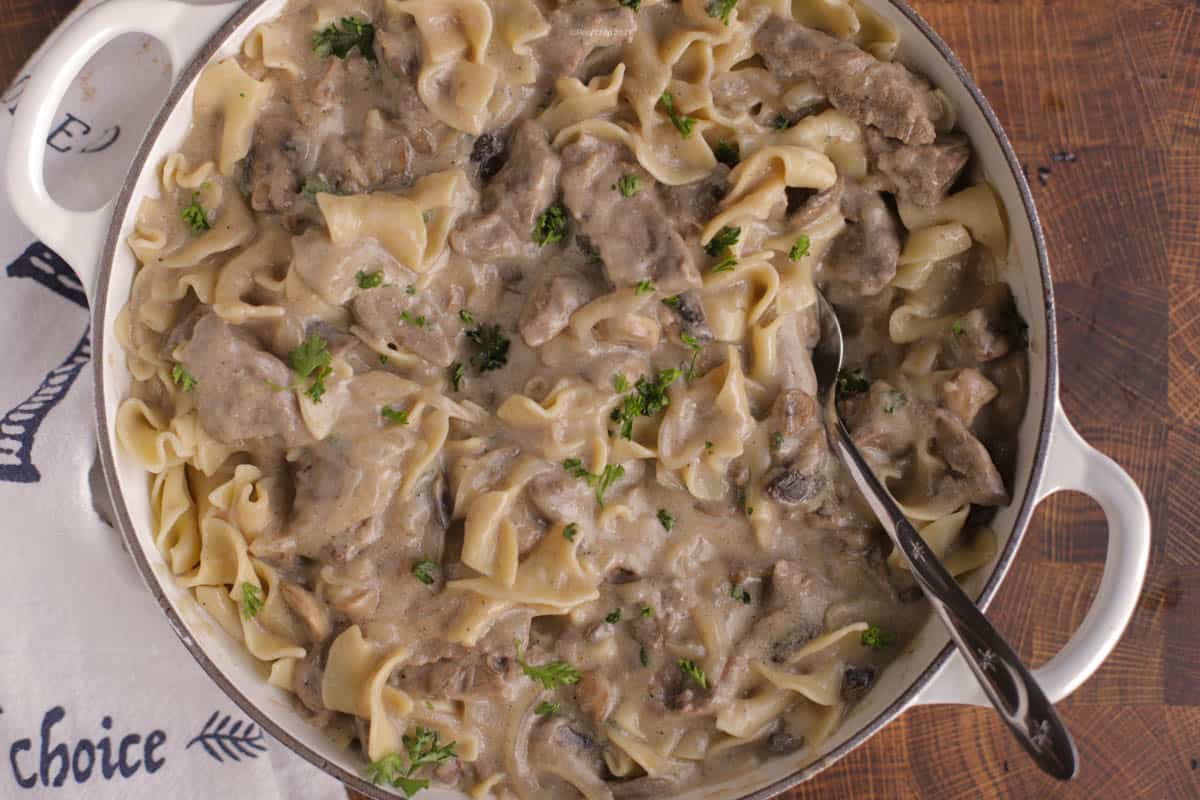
column 1008, row 683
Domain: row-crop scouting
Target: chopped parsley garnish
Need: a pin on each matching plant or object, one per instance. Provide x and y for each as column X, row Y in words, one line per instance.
column 425, row 571
column 315, row 185
column 546, row 708
column 895, row 401
column 628, row 185
column 776, row 440
column 252, row 600
column 423, row 748
column 644, row 286
column 648, row 400
column 728, row 153
column 644, row 657
column 708, row 445
column 666, row 518
column 877, row 638
column 369, row 280
column 182, row 378
column 394, row 415
column 491, row 347
column 740, row 593
column 694, row 672
column 311, row 361
column 958, row 329
column 682, row 124
column 195, row 216
column 613, row 617
column 410, row 289
column 721, row 9
column 418, row 320
column 723, row 239
column 456, row 375
column 674, row 301
column 726, row 264
column 339, row 42
column 551, row 225
column 1014, row 327
column 633, row 4
column 599, row 482
column 647, row 611
column 571, row 531
column 549, row 675
column 800, row 248
column 383, row 359
column 852, row 382
column 620, row 383
column 466, row 316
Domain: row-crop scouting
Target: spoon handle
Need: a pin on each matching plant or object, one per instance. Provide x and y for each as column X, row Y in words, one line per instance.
column 1008, row 683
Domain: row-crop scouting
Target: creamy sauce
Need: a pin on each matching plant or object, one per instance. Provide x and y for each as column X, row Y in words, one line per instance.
column 474, row 376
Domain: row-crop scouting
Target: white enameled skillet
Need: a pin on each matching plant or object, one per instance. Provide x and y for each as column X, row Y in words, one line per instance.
column 1052, row 456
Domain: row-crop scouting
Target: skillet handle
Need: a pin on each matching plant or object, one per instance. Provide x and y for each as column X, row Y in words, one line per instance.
column 78, row 236
column 1075, row 465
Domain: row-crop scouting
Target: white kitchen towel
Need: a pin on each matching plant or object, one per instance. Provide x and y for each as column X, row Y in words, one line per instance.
column 98, row 699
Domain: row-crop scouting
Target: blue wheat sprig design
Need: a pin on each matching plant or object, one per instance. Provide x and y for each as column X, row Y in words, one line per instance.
column 222, row 735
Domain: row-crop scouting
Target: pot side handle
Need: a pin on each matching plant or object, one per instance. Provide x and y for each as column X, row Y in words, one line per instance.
column 1073, row 464
column 78, row 236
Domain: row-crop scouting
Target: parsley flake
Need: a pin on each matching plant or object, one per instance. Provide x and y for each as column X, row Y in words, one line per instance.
column 546, row 708
column 549, row 675
column 694, row 672
column 600, row 482
column 628, row 185
column 369, row 280
column 613, row 617
column 631, row 4
column 876, row 638
column 456, row 375
column 252, row 600
column 491, row 347
column 354, row 33
column 723, row 239
column 425, row 570
column 644, row 657
column 423, row 748
column 682, row 124
column 776, row 440
column 800, row 248
column 647, row 611
column 195, row 216
column 551, row 225
column 649, row 399
column 418, row 320
column 571, row 531
column 740, row 593
column 394, row 415
column 852, row 382
column 728, row 153
column 466, row 316
column 315, row 185
column 182, row 378
column 666, row 518
column 674, row 301
column 958, row 329
column 721, row 9
column 644, row 286
column 620, row 383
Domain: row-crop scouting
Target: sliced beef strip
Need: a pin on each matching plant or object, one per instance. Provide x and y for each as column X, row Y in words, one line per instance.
column 970, row 464
column 413, row 321
column 550, row 305
column 879, row 424
column 523, row 188
column 692, row 205
column 921, row 174
column 966, row 393
column 634, row 235
column 234, row 379
column 483, row 675
column 576, row 30
column 341, row 490
column 863, row 258
column 873, row 92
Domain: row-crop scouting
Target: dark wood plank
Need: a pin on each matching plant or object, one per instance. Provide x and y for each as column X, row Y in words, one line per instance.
column 1118, row 84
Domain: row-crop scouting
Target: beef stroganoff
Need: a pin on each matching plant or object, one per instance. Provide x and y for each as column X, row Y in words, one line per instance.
column 471, row 347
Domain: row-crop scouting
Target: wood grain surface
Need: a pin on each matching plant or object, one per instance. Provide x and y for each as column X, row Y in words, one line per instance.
column 1117, row 83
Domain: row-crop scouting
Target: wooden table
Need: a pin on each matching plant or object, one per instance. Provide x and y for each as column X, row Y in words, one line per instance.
column 1118, row 84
